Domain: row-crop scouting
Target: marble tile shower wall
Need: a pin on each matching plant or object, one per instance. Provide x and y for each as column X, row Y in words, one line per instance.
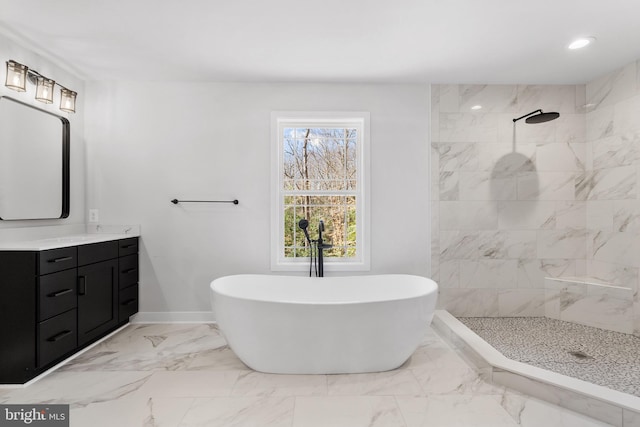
column 509, row 204
column 610, row 185
column 513, row 205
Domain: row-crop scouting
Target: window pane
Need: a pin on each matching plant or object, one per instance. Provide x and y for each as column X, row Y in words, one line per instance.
column 336, row 251
column 338, row 214
column 351, row 160
column 291, row 167
column 289, row 220
column 301, row 132
column 297, row 252
column 294, row 252
column 319, row 158
column 336, row 133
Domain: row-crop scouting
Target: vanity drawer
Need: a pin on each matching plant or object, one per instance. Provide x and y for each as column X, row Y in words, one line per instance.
column 128, row 246
column 57, row 259
column 128, row 270
column 96, row 252
column 128, row 303
column 57, row 293
column 57, row 337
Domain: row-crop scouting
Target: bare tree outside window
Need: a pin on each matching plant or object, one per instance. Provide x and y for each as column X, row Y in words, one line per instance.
column 320, row 183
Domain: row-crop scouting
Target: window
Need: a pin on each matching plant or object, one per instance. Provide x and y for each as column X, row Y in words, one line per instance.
column 319, row 172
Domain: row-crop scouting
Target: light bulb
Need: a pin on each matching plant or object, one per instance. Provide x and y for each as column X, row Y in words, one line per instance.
column 67, row 100
column 44, row 87
column 16, row 76
column 581, row 42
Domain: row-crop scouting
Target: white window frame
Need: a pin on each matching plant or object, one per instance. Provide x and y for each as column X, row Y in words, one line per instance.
column 359, row 120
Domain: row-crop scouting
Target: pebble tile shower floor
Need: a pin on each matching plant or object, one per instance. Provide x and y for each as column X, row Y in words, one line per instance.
column 606, row 358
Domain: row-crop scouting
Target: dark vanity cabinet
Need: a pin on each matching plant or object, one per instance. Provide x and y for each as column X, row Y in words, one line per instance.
column 127, row 278
column 55, row 302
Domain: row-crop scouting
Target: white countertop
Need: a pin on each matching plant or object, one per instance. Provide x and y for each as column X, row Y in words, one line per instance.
column 63, row 241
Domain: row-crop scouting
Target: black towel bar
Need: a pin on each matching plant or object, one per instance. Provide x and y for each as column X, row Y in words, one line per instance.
column 176, row 201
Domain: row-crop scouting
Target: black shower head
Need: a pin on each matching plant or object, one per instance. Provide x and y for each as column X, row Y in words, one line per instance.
column 542, row 117
column 538, row 117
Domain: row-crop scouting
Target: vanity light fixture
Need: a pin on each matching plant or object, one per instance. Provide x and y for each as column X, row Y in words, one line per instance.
column 17, row 76
column 476, row 107
column 68, row 100
column 44, row 89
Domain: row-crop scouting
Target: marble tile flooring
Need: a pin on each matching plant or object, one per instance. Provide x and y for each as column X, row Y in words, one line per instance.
column 610, row 359
column 185, row 375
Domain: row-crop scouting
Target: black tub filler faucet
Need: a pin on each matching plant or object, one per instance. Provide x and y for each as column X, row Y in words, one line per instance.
column 319, row 245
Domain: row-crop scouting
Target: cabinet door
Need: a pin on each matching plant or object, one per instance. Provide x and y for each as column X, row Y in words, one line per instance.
column 17, row 316
column 97, row 299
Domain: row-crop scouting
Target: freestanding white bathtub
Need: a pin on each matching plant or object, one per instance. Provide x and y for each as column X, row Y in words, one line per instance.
column 330, row 325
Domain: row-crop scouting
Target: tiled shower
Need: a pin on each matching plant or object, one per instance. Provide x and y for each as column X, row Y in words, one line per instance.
column 512, row 205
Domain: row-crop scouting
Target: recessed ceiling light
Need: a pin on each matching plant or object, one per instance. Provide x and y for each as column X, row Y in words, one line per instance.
column 476, row 107
column 581, row 42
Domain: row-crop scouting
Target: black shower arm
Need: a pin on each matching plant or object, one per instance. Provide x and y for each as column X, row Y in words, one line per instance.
column 527, row 115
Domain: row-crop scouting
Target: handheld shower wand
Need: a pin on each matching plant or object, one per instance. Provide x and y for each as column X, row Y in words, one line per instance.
column 304, row 224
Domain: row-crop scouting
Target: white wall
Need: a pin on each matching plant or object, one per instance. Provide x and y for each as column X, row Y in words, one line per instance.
column 10, row 49
column 148, row 143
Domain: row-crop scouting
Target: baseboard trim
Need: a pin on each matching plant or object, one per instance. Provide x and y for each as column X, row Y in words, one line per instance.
column 173, row 317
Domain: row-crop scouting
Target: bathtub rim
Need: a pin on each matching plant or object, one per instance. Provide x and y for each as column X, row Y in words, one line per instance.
column 432, row 288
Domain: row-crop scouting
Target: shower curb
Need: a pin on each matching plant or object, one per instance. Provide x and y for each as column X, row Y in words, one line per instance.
column 601, row 403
